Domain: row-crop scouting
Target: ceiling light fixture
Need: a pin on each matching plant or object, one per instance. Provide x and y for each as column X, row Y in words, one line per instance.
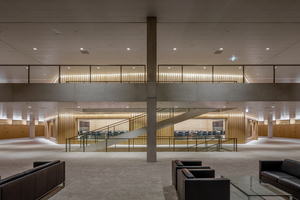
column 272, row 106
column 128, row 49
column 69, row 67
column 98, row 67
column 169, row 67
column 176, row 106
column 233, row 58
column 81, row 49
column 240, row 67
column 267, row 49
column 78, row 106
column 133, row 68
column 257, row 74
column 224, row 106
column 174, row 49
column 44, row 74
column 35, row 49
column 26, row 67
column 29, row 107
column 221, row 49
column 204, row 67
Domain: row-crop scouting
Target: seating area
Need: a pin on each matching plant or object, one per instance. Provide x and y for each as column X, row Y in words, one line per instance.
column 103, row 133
column 196, row 133
column 193, row 181
column 33, row 183
column 284, row 175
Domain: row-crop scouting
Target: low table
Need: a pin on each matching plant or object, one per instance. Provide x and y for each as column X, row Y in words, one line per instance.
column 252, row 187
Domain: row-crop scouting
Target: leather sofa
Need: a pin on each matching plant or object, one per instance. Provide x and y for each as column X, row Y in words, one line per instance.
column 201, row 184
column 284, row 175
column 177, row 164
column 33, row 183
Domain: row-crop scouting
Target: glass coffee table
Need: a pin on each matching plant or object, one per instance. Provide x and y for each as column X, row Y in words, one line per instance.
column 252, row 187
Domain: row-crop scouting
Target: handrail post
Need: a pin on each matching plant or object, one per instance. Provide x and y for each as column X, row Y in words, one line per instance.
column 169, row 141
column 106, row 144
column 70, row 145
column 187, row 143
column 205, row 144
column 66, row 144
column 174, row 144
column 83, row 144
column 128, row 145
column 196, row 144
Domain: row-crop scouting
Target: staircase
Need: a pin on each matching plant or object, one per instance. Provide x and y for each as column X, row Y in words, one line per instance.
column 101, row 144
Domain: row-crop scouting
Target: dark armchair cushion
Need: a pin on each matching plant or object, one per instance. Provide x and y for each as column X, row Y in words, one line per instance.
column 191, row 163
column 293, row 183
column 275, row 175
column 291, row 167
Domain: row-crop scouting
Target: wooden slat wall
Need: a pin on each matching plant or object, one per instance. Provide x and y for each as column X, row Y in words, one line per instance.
column 19, row 131
column 236, row 127
column 66, row 128
column 287, row 130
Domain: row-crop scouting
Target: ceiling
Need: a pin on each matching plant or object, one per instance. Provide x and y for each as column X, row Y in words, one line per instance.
column 106, row 28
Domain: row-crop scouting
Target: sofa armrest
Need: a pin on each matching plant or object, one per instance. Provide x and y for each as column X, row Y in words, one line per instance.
column 269, row 165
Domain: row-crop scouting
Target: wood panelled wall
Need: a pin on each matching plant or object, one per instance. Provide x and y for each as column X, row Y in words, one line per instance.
column 19, row 131
column 287, row 130
column 236, row 127
column 66, row 128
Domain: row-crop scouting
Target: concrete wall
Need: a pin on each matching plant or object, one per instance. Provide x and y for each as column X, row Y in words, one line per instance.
column 137, row 92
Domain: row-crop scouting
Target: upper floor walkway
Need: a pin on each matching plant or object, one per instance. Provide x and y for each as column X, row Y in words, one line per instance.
column 137, row 73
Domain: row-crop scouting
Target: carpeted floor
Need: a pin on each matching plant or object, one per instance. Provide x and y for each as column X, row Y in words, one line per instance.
column 127, row 176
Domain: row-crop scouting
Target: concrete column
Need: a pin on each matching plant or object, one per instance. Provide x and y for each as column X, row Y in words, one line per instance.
column 270, row 126
column 32, row 127
column 151, row 88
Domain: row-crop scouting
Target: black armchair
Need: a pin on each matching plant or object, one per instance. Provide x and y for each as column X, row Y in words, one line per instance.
column 201, row 184
column 180, row 164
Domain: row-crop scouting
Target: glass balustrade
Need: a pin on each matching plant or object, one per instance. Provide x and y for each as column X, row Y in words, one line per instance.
column 137, row 74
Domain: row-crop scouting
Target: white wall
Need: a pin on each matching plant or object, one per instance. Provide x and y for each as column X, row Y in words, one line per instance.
column 197, row 124
column 98, row 123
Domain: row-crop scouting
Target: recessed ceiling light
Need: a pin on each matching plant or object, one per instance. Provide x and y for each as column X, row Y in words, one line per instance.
column 78, row 106
column 240, row 67
column 44, row 74
column 127, row 106
column 267, row 49
column 224, row 106
column 128, row 49
column 29, row 107
column 272, row 106
column 275, row 67
column 26, row 67
column 31, row 113
column 204, row 67
column 257, row 74
column 98, row 67
column 169, row 67
column 81, row 49
column 233, row 58
column 175, row 106
column 69, row 67
column 247, row 110
column 174, row 49
column 271, row 113
column 221, row 49
column 133, row 67
column 35, row 49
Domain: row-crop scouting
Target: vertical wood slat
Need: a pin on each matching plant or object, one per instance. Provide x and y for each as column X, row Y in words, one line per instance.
column 19, row 131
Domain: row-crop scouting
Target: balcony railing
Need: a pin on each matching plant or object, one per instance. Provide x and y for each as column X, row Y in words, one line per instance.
column 137, row 73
